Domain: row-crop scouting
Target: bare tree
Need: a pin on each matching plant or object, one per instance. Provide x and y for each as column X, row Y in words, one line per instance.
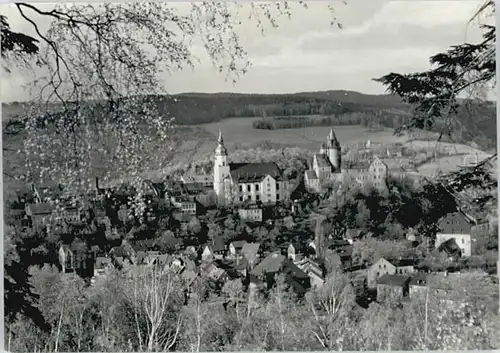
column 330, row 306
column 100, row 68
column 156, row 300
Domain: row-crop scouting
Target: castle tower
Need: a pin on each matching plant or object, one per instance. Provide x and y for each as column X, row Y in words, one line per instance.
column 221, row 171
column 333, row 150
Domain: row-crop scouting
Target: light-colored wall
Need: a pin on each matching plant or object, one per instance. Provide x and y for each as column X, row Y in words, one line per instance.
column 377, row 270
column 221, row 172
column 463, row 241
column 250, row 214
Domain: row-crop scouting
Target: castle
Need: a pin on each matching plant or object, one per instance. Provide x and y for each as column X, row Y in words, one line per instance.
column 237, row 183
column 327, row 166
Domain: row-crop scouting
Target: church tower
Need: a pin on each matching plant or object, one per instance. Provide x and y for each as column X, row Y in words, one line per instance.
column 221, row 171
column 333, row 150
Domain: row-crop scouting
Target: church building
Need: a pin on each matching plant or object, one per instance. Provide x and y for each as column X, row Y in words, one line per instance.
column 237, row 183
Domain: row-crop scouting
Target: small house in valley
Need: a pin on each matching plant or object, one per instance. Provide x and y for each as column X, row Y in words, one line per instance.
column 392, row 288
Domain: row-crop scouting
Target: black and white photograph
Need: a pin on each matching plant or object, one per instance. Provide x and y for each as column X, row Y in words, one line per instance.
column 249, row 176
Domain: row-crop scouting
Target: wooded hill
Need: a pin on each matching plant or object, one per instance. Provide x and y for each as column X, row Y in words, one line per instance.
column 476, row 121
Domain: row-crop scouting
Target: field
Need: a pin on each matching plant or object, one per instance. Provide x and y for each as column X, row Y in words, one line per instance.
column 238, row 132
column 199, row 142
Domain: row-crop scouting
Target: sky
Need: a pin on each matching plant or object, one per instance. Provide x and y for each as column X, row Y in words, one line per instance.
column 306, row 53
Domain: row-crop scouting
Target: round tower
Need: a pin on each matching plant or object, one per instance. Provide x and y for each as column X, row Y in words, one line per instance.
column 334, row 150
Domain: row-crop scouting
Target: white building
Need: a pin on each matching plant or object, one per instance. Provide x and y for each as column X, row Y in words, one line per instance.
column 235, row 183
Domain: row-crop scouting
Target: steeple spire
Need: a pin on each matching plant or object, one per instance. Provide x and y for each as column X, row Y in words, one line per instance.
column 221, row 149
column 220, row 140
column 332, row 139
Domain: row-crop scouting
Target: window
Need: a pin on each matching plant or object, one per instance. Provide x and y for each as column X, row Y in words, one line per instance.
column 257, row 197
column 249, row 187
column 378, row 274
column 241, row 198
column 277, row 196
column 241, row 188
column 463, row 241
column 249, row 197
column 256, row 187
column 277, row 186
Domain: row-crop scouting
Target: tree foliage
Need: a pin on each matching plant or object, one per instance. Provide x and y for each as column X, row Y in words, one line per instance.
column 435, row 94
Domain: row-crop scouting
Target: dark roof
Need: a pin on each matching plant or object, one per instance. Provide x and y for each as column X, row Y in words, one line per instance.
column 403, row 262
column 218, row 244
column 41, row 208
column 450, row 246
column 142, row 245
column 357, row 165
column 250, row 250
column 292, row 269
column 393, row 280
column 196, row 188
column 417, row 279
column 323, row 162
column 118, row 251
column 455, row 223
column 253, row 172
column 272, row 263
column 337, row 243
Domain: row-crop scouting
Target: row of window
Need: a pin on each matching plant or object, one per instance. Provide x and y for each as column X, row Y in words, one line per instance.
column 257, row 197
column 257, row 187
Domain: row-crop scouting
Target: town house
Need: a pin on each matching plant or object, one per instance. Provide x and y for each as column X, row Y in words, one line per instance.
column 391, row 267
column 392, row 288
column 456, row 227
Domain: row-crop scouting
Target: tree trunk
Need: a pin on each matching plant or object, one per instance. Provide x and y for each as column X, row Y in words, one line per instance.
column 59, row 329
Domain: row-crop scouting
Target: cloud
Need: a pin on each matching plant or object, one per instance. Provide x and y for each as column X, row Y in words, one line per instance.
column 307, row 53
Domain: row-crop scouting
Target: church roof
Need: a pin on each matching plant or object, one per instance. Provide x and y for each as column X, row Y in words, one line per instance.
column 221, row 149
column 323, row 162
column 253, row 172
column 332, row 139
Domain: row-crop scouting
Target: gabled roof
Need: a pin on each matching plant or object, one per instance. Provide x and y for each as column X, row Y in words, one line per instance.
column 250, row 250
column 118, row 251
column 272, row 263
column 253, row 172
column 454, row 223
column 238, row 244
column 292, row 269
column 393, row 280
column 322, row 161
